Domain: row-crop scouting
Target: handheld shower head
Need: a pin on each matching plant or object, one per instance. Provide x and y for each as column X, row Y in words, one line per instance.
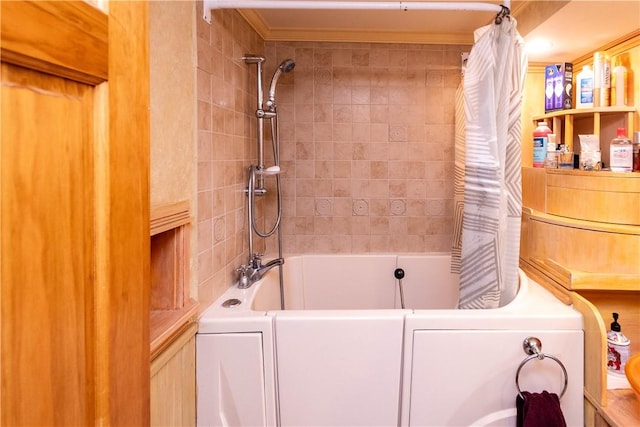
column 285, row 66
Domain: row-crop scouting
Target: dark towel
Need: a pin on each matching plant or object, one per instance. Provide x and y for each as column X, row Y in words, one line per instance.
column 539, row 410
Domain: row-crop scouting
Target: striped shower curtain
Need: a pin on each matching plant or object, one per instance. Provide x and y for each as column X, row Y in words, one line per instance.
column 488, row 196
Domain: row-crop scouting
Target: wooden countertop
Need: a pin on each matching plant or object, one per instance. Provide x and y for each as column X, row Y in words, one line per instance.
column 623, row 408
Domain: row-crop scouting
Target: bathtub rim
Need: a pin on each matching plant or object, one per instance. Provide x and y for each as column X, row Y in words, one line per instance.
column 246, row 296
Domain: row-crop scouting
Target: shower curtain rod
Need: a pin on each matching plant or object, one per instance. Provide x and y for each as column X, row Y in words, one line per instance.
column 351, row 5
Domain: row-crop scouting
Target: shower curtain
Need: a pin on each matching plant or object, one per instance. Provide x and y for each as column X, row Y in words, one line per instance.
column 488, row 199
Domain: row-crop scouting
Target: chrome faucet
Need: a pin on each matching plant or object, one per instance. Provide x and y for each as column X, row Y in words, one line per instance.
column 254, row 270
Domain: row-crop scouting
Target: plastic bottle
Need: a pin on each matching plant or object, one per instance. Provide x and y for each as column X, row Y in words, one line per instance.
column 551, row 161
column 621, row 153
column 617, row 347
column 601, row 79
column 636, row 151
column 540, row 139
column 619, row 85
column 584, row 88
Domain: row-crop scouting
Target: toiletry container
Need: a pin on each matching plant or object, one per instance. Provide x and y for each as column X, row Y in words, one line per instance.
column 619, row 85
column 540, row 139
column 617, row 347
column 621, row 153
column 584, row 88
column 551, row 161
column 636, row 151
column 601, row 79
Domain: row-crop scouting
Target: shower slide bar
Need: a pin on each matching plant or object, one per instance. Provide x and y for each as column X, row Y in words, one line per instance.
column 351, row 5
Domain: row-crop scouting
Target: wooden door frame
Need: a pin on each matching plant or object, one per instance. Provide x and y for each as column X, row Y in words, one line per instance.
column 124, row 273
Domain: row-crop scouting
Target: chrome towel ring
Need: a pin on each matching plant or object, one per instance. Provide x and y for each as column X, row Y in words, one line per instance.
column 533, row 346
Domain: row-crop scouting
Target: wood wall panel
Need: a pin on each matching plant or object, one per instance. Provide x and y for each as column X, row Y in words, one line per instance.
column 48, row 248
column 173, row 383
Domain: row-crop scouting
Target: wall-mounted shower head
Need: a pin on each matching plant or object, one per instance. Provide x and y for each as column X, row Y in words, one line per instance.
column 285, row 66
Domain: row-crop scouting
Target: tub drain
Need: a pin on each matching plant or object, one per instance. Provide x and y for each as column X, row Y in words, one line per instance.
column 231, row 302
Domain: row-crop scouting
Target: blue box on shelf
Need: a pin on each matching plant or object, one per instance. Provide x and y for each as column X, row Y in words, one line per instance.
column 558, row 85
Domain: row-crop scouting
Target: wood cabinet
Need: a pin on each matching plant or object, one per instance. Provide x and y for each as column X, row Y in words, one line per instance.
column 581, row 239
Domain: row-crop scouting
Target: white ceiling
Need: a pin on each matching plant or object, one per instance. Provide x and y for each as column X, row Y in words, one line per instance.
column 583, row 26
column 575, row 27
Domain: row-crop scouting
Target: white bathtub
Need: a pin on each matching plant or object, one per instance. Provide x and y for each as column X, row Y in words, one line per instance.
column 343, row 353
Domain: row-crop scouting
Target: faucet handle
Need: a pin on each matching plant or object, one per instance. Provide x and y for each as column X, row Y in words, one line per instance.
column 242, row 275
column 242, row 270
column 256, row 259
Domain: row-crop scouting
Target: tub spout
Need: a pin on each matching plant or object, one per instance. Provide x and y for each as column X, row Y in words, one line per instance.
column 253, row 272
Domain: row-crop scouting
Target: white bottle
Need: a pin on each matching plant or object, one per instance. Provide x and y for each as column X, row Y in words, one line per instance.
column 584, row 88
column 601, row 79
column 619, row 86
column 621, row 152
column 551, row 161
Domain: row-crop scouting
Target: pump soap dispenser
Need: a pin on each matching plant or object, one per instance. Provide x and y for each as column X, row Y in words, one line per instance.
column 617, row 347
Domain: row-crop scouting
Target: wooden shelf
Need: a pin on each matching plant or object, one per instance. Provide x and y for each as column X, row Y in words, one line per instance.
column 584, row 112
column 576, row 280
column 166, row 325
column 167, row 217
column 623, row 408
column 172, row 309
column 583, row 224
column 602, row 173
column 562, row 123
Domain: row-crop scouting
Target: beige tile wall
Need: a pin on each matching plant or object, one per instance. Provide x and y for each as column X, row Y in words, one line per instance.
column 226, row 134
column 366, row 146
column 367, row 135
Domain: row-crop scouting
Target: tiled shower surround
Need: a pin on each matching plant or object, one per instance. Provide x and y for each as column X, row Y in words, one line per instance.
column 367, row 136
